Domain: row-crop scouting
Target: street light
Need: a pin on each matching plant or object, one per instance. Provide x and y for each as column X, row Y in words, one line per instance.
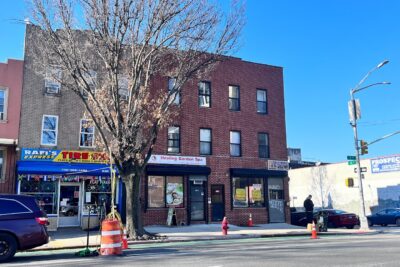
column 354, row 115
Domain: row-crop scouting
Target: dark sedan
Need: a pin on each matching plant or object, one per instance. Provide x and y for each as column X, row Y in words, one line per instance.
column 339, row 218
column 385, row 217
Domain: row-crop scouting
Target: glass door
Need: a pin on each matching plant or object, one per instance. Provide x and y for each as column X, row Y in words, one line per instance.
column 276, row 200
column 69, row 205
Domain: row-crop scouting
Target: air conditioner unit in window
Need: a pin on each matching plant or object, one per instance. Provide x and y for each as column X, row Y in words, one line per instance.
column 52, row 88
column 197, row 181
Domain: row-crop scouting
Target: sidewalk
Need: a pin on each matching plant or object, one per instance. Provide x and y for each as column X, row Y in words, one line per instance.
column 76, row 238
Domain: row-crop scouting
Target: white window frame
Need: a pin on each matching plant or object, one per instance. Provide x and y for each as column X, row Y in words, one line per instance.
column 176, row 97
column 123, row 87
column 90, row 77
column 56, row 130
column 80, row 133
column 3, row 168
column 50, row 82
column 3, row 115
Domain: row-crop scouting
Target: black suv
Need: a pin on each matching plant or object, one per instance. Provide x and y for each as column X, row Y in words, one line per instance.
column 22, row 225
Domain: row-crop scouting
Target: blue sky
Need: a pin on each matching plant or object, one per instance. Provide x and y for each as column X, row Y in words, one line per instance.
column 325, row 48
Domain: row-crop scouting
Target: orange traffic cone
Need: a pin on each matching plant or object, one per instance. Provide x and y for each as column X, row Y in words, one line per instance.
column 314, row 231
column 124, row 240
column 250, row 221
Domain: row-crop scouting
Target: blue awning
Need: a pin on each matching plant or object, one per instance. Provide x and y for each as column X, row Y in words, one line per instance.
column 62, row 168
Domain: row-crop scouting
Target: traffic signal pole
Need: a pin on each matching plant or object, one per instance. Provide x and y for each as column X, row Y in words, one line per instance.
column 363, row 218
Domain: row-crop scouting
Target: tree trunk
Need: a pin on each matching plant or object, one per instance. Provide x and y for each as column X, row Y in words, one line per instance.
column 134, row 218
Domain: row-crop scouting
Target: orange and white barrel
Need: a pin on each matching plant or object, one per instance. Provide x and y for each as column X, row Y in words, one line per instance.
column 111, row 243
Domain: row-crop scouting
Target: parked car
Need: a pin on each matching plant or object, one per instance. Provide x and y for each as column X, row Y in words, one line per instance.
column 339, row 218
column 336, row 218
column 23, row 225
column 385, row 217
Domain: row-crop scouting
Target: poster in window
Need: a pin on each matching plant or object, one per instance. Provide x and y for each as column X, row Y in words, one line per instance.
column 174, row 193
column 256, row 195
column 240, row 194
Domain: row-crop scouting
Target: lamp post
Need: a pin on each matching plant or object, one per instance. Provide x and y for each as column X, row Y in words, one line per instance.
column 354, row 115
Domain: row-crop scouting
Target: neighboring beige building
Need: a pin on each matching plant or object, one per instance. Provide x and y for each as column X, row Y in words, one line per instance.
column 327, row 185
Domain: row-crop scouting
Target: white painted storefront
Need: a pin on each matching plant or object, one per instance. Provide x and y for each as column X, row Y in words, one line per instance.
column 326, row 183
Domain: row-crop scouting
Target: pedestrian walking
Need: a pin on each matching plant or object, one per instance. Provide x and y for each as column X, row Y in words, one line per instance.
column 309, row 207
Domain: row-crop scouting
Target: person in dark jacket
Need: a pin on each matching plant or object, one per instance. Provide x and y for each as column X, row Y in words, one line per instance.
column 309, row 207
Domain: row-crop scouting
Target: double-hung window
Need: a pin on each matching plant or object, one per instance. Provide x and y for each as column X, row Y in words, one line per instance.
column 174, row 140
column 123, row 89
column 263, row 147
column 205, row 142
column 234, row 98
column 205, row 94
column 261, row 101
column 175, row 97
column 49, row 130
column 90, row 79
column 235, row 144
column 248, row 192
column 86, row 134
column 3, row 104
column 52, row 81
column 164, row 191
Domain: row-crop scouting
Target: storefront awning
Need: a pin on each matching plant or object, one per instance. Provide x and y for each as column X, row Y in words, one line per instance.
column 257, row 173
column 52, row 168
column 154, row 169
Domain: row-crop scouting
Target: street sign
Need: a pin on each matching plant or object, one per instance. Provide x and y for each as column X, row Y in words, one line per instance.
column 363, row 169
column 351, row 157
column 351, row 162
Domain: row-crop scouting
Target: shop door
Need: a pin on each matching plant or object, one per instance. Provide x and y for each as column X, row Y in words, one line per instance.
column 197, row 198
column 69, row 205
column 276, row 200
column 217, row 203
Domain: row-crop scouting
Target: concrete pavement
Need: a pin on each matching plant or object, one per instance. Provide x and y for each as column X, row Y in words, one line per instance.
column 76, row 238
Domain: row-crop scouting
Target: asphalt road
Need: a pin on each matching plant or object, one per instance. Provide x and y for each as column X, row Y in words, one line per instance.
column 349, row 250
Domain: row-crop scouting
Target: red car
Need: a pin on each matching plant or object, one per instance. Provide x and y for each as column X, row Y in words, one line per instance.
column 22, row 225
column 339, row 218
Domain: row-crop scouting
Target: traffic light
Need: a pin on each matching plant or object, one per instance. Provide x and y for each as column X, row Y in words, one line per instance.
column 364, row 147
column 349, row 182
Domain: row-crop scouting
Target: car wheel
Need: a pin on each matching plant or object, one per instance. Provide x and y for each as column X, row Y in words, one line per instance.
column 398, row 222
column 383, row 224
column 70, row 213
column 8, row 247
column 350, row 226
column 370, row 223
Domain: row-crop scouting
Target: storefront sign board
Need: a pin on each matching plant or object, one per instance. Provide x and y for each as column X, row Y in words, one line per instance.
column 178, row 160
column 278, row 165
column 385, row 164
column 39, row 154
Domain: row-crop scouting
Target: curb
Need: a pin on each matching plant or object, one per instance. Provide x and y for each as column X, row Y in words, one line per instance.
column 228, row 237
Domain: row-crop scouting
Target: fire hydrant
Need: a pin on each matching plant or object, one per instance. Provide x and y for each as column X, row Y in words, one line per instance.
column 225, row 226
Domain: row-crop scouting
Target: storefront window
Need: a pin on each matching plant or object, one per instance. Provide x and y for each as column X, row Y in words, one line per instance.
column 165, row 191
column 98, row 193
column 156, row 197
column 248, row 192
column 45, row 193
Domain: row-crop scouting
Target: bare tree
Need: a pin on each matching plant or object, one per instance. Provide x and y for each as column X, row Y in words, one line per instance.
column 111, row 52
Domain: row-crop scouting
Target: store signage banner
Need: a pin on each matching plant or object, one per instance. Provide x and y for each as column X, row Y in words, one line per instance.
column 278, row 165
column 179, row 160
column 38, row 154
column 385, row 164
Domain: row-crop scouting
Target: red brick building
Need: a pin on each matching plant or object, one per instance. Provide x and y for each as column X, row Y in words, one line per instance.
column 10, row 107
column 225, row 154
